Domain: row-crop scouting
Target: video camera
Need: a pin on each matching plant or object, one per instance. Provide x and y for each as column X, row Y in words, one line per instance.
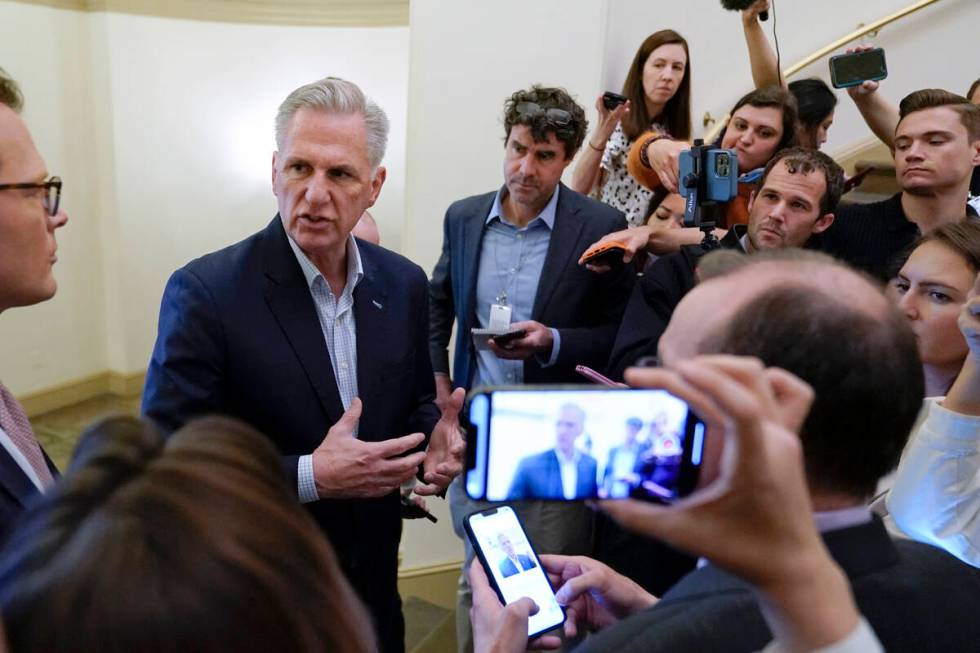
column 708, row 178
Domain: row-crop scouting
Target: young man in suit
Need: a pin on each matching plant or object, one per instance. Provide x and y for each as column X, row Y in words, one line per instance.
column 509, row 262
column 29, row 216
column 299, row 326
column 563, row 471
column 512, row 562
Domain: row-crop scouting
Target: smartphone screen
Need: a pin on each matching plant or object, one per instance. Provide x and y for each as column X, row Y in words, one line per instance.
column 509, row 559
column 571, row 443
column 852, row 69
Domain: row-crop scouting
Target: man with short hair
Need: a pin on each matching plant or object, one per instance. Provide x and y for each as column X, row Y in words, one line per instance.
column 295, row 328
column 508, row 264
column 793, row 315
column 563, row 471
column 29, row 216
column 796, row 198
column 937, row 146
column 622, row 460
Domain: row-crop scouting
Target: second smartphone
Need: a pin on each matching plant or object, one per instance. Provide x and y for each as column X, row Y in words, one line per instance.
column 568, row 443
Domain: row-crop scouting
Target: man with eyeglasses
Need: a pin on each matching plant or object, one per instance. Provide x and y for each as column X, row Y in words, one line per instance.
column 29, row 215
column 508, row 265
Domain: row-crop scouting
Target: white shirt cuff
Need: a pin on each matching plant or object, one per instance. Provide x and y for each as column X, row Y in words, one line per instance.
column 861, row 640
column 305, row 483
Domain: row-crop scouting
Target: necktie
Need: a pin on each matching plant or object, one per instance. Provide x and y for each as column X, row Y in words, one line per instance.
column 14, row 422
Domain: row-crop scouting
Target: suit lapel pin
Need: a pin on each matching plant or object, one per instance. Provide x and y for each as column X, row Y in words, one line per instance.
column 377, row 305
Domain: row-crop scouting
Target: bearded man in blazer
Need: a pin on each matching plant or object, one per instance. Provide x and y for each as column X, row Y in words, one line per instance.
column 516, row 249
column 318, row 340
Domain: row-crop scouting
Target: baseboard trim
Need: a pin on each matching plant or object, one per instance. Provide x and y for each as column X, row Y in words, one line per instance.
column 110, row 382
column 433, row 583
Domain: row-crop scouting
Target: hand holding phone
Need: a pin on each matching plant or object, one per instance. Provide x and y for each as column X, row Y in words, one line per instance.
column 612, row 100
column 505, row 339
column 512, row 566
column 855, row 68
column 609, row 254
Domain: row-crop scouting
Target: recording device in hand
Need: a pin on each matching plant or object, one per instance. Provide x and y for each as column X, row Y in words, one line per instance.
column 505, row 339
column 742, row 5
column 512, row 565
column 612, row 100
column 576, row 442
column 708, row 178
column 608, row 253
column 856, row 68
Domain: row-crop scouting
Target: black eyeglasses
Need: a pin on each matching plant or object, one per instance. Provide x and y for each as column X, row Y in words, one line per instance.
column 52, row 192
column 556, row 116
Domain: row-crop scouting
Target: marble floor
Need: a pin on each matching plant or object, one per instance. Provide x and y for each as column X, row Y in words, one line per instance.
column 429, row 628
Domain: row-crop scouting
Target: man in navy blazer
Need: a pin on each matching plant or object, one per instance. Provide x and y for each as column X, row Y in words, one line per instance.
column 29, row 216
column 318, row 340
column 512, row 253
column 562, row 472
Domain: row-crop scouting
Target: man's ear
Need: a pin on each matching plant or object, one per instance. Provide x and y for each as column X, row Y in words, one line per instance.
column 274, row 173
column 975, row 146
column 376, row 183
column 823, row 223
column 751, row 201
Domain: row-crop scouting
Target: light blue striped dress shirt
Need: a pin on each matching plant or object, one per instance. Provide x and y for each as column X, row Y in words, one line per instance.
column 511, row 260
column 336, row 316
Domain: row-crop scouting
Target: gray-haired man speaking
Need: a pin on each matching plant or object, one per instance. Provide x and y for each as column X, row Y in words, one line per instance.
column 320, row 341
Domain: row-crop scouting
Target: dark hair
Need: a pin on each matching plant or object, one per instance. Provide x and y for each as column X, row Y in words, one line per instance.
column 805, row 161
column 777, row 98
column 973, row 89
column 676, row 116
column 571, row 135
column 10, row 94
column 865, row 373
column 961, row 237
column 194, row 543
column 814, row 102
column 931, row 98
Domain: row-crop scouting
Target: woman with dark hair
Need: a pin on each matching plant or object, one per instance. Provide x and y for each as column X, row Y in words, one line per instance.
column 815, row 101
column 930, row 289
column 194, row 543
column 815, row 104
column 658, row 92
column 935, row 494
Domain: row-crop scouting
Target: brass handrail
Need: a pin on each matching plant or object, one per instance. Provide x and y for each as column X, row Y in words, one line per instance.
column 827, row 49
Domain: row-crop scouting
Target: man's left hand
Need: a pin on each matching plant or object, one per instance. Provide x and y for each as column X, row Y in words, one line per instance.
column 537, row 340
column 498, row 628
column 444, row 456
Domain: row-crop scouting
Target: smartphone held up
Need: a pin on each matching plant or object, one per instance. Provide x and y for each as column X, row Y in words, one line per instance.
column 570, row 443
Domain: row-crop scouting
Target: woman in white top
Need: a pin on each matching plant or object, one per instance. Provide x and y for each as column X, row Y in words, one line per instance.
column 658, row 88
column 935, row 497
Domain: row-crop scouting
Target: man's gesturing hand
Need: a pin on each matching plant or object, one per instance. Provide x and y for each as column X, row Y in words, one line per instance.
column 344, row 466
column 444, row 457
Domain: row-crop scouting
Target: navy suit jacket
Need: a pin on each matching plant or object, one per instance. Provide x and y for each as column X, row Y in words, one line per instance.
column 508, row 568
column 539, row 477
column 916, row 597
column 239, row 335
column 17, row 492
column 584, row 306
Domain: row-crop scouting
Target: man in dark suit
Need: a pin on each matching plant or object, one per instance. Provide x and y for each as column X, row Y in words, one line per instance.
column 562, row 472
column 796, row 200
column 297, row 327
column 792, row 315
column 508, row 263
column 29, row 216
column 512, row 561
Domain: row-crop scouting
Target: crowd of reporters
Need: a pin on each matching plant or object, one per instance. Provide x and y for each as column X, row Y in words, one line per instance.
column 826, row 344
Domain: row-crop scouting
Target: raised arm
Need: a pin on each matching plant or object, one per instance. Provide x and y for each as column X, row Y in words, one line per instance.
column 880, row 113
column 765, row 67
column 588, row 174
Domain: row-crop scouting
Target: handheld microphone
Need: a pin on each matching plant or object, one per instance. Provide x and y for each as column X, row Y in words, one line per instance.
column 742, row 5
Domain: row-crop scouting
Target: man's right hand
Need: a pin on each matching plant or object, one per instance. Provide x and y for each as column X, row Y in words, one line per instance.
column 344, row 466
column 594, row 595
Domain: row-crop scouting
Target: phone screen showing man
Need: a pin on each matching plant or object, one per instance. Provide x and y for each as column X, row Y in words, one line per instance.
column 511, row 562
